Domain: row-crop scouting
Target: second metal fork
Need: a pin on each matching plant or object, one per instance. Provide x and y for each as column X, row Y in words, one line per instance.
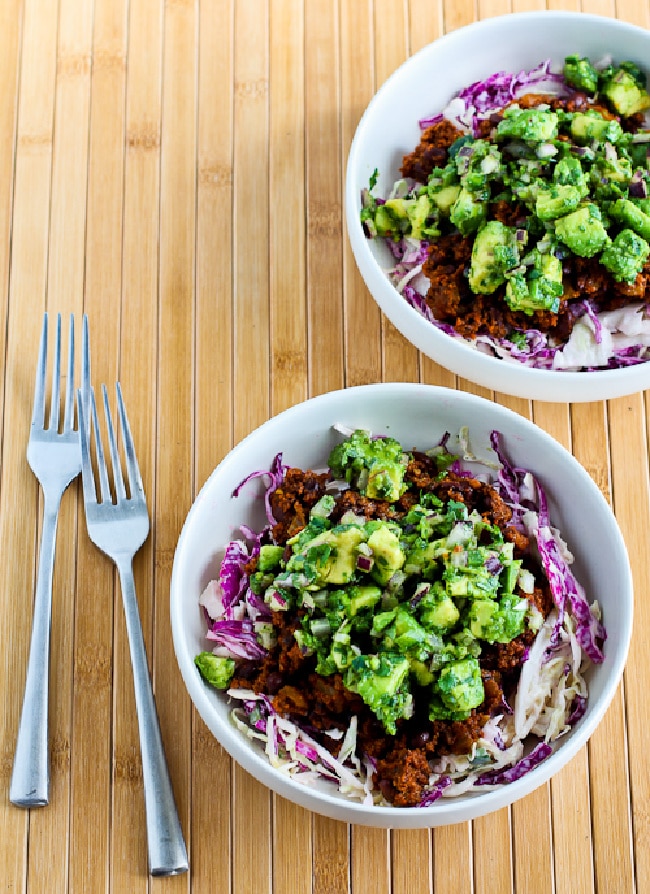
column 119, row 528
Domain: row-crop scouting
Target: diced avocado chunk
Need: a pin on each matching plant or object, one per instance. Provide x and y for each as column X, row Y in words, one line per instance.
column 482, row 163
column 540, row 289
column 610, row 176
column 421, row 558
column 342, row 562
column 363, row 598
column 328, row 558
column 550, row 273
column 457, row 586
column 460, row 687
column 580, row 73
column 398, row 208
column 386, row 222
column 375, row 466
column 583, row 231
column 557, row 201
column 481, row 614
column 643, row 204
column 420, row 212
column 387, row 553
column 632, row 216
column 445, row 197
column 323, row 507
column 568, row 172
column 421, row 672
column 441, row 614
column 467, row 213
column 624, row 92
column 216, row 670
column 495, row 251
column 385, row 483
column 591, row 126
column 513, row 611
column 269, row 557
column 409, row 633
column 497, row 622
column 412, row 216
column 625, row 256
column 381, row 621
column 382, row 682
column 532, row 125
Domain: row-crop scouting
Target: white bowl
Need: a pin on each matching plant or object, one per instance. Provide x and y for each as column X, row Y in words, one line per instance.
column 389, row 129
column 417, row 415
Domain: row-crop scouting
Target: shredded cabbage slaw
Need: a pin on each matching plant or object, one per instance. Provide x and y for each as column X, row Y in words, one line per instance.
column 551, row 695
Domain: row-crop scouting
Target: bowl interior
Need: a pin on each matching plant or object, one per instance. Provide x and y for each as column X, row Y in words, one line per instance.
column 389, row 129
column 417, row 415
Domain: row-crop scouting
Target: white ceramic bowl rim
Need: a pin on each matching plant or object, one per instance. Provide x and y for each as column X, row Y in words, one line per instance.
column 475, row 45
column 326, row 409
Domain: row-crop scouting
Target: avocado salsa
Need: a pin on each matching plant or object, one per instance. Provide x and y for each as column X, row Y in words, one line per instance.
column 375, row 631
column 524, row 216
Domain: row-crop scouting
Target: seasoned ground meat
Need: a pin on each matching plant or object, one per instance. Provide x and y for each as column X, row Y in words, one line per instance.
column 449, row 296
column 291, row 701
column 351, row 501
column 284, row 662
column 431, row 152
column 506, row 657
column 294, row 498
column 403, row 775
column 518, row 538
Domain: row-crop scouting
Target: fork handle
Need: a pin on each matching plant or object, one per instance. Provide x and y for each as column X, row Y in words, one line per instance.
column 167, row 852
column 30, row 778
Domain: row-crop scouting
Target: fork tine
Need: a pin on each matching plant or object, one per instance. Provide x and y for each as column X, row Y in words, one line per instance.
column 118, row 479
column 38, row 412
column 91, row 430
column 56, row 379
column 83, row 394
column 85, row 358
column 104, row 483
column 133, row 470
column 68, row 417
column 83, row 409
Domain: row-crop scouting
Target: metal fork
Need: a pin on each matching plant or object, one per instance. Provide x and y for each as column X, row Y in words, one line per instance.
column 55, row 459
column 119, row 529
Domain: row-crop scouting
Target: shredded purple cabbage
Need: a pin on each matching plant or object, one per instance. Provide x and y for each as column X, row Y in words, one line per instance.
column 510, row 774
column 593, row 316
column 418, row 302
column 483, row 97
column 238, row 637
column 275, row 475
column 435, row 792
column 232, row 577
column 590, row 633
column 578, row 709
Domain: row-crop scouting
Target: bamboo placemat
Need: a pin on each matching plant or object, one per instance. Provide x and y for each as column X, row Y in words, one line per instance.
column 175, row 170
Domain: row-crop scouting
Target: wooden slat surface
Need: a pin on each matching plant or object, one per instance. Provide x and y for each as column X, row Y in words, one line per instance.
column 175, row 170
